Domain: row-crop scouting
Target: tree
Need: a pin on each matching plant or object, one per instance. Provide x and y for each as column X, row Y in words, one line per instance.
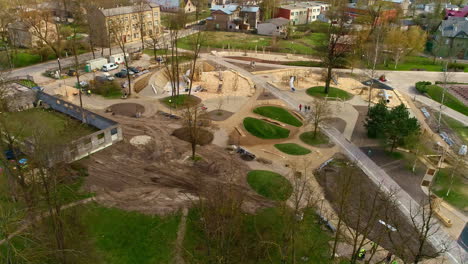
column 403, row 43
column 392, row 125
column 197, row 42
column 171, row 58
column 321, row 111
column 117, row 31
column 269, row 8
column 41, row 25
column 336, row 46
column 191, row 115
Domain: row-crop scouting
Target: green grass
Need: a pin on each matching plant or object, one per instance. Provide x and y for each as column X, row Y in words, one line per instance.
column 123, row 237
column 257, row 236
column 458, row 196
column 220, row 39
column 27, row 83
column 55, row 125
column 270, row 184
column 460, row 129
column 23, row 59
column 308, row 138
column 305, row 63
column 415, row 62
column 279, row 114
column 181, row 100
column 319, row 91
column 292, row 149
column 265, row 130
column 435, row 92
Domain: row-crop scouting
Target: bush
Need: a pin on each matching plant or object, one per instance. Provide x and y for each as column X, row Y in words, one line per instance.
column 422, row 86
column 109, row 89
column 456, row 66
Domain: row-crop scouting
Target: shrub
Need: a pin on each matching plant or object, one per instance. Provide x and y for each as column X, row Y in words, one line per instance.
column 422, row 86
column 110, row 89
column 456, row 66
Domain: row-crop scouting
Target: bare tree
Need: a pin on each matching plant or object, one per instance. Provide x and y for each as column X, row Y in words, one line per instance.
column 117, row 31
column 336, row 46
column 191, row 115
column 197, row 42
column 320, row 112
column 176, row 23
column 41, row 25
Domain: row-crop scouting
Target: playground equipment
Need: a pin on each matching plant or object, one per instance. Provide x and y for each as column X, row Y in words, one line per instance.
column 292, row 79
column 386, row 95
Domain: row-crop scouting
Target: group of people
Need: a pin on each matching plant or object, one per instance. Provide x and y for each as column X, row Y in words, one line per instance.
column 388, row 259
column 306, row 108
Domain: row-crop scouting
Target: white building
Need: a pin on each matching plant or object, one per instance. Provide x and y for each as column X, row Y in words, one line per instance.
column 302, row 12
column 273, row 27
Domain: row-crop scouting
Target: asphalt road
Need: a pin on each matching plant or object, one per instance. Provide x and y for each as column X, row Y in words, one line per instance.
column 65, row 62
column 455, row 254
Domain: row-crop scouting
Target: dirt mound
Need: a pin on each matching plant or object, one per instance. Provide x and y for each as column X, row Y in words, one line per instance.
column 140, row 140
column 219, row 115
column 205, row 137
column 127, row 109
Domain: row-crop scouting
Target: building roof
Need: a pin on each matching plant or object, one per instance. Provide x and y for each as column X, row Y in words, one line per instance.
column 166, row 3
column 454, row 27
column 303, row 5
column 122, row 10
column 227, row 9
column 280, row 21
column 460, row 13
column 253, row 9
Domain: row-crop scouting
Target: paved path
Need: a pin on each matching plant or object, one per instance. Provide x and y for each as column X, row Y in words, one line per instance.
column 455, row 254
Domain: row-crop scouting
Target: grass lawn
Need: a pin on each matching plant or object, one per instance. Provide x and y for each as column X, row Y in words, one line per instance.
column 458, row 196
column 270, row 184
column 181, row 100
column 279, row 114
column 305, row 63
column 265, row 130
column 292, row 149
column 258, row 236
column 318, row 91
column 123, row 237
column 415, row 62
column 27, row 83
column 56, row 125
column 303, row 44
column 435, row 92
column 460, row 129
column 220, row 39
column 308, row 138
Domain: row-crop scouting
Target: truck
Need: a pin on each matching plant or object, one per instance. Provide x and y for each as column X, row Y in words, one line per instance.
column 95, row 64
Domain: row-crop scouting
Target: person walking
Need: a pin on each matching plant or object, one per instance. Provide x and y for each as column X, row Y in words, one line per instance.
column 362, row 253
column 300, row 107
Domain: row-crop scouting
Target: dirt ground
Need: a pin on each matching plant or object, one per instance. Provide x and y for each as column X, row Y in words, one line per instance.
column 219, row 115
column 204, row 136
column 398, row 169
column 127, row 109
column 248, row 68
column 157, row 178
column 332, row 178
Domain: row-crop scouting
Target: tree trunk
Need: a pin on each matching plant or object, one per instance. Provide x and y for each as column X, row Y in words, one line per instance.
column 328, row 80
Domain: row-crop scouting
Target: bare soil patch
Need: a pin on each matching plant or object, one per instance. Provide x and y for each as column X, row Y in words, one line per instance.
column 204, row 136
column 266, row 95
column 157, row 178
column 219, row 115
column 142, row 83
column 127, row 109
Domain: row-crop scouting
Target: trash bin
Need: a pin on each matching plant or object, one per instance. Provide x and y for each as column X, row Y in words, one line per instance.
column 88, row 68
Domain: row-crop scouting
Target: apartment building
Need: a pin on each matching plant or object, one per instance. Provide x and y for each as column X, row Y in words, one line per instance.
column 25, row 36
column 233, row 17
column 302, row 12
column 129, row 18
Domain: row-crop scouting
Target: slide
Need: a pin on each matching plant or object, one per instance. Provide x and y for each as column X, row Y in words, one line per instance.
column 291, row 83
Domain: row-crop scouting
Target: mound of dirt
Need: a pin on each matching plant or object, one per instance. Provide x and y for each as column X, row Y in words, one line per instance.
column 219, row 115
column 127, row 109
column 205, row 137
column 140, row 140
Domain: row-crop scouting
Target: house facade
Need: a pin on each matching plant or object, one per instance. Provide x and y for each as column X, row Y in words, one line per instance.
column 129, row 18
column 26, row 36
column 451, row 38
column 175, row 5
column 273, row 27
column 233, row 17
column 302, row 12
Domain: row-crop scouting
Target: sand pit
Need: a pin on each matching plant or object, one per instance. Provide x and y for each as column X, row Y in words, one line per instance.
column 127, row 109
column 140, row 140
column 224, row 83
column 205, row 137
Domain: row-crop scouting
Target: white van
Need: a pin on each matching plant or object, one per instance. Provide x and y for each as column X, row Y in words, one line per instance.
column 109, row 67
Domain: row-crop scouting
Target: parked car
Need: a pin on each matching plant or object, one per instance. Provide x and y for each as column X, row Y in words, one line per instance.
column 108, row 76
column 134, row 69
column 109, row 67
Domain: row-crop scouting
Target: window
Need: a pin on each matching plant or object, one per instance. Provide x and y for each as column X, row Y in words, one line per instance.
column 155, row 22
column 155, row 14
column 149, row 24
